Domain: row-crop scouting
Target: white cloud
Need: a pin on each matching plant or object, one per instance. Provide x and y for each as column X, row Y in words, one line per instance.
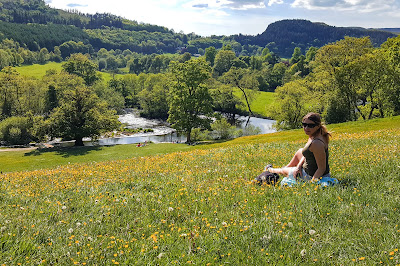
column 272, row 2
column 226, row 4
column 250, row 6
column 345, row 5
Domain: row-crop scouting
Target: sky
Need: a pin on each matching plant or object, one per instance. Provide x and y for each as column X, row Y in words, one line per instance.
column 249, row 17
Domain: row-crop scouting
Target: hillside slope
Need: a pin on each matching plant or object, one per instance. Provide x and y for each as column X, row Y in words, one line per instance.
column 283, row 36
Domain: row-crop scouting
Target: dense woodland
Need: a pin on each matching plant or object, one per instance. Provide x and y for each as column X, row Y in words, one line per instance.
column 182, row 77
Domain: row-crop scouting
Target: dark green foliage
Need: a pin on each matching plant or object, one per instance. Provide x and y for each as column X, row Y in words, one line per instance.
column 19, row 130
column 225, row 101
column 153, row 99
column 51, row 98
column 72, row 47
column 36, row 36
column 189, row 96
column 81, row 114
column 288, row 34
column 80, row 65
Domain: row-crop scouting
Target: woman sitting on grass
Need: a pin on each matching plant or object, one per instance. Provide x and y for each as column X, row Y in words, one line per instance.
column 311, row 162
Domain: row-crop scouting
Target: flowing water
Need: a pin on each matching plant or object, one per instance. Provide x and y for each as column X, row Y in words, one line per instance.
column 163, row 133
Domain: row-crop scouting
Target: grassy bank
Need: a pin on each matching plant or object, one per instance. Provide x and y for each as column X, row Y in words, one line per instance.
column 260, row 104
column 50, row 158
column 38, row 71
column 200, row 207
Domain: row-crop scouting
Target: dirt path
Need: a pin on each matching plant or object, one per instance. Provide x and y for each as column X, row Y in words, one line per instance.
column 18, row 149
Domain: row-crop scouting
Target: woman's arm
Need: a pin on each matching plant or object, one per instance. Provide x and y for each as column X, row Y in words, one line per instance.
column 299, row 166
column 318, row 149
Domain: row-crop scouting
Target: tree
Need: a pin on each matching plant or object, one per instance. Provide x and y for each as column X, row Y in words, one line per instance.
column 336, row 59
column 295, row 56
column 210, row 54
column 225, row 101
column 153, row 99
column 189, row 102
column 291, row 105
column 111, row 63
column 43, row 56
column 244, row 81
column 80, row 65
column 223, row 61
column 391, row 51
column 374, row 84
column 81, row 114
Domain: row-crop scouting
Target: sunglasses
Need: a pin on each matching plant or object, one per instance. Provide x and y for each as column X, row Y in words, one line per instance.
column 309, row 125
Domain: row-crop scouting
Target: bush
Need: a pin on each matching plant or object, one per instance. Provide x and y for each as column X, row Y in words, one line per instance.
column 198, row 134
column 20, row 130
column 16, row 130
column 222, row 129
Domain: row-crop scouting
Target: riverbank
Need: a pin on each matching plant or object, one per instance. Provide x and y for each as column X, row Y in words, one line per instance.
column 32, row 159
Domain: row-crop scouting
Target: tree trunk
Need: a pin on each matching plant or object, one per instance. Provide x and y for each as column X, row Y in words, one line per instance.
column 79, row 141
column 247, row 101
column 188, row 139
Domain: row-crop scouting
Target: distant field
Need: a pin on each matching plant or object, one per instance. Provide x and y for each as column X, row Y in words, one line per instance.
column 38, row 71
column 263, row 100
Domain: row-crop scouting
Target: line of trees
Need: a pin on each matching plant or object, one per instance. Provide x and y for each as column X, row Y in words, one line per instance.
column 348, row 80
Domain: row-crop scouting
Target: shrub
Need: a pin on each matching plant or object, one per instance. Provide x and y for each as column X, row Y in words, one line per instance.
column 19, row 130
column 222, row 129
column 16, row 130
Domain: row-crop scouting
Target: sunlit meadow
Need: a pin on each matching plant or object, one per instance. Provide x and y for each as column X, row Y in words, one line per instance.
column 200, row 207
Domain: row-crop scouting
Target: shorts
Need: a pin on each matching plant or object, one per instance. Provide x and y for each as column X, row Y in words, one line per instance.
column 289, row 181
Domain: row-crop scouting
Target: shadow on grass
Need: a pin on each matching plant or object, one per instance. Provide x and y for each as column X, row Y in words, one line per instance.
column 66, row 151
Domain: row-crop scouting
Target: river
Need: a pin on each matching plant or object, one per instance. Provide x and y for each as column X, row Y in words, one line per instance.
column 163, row 133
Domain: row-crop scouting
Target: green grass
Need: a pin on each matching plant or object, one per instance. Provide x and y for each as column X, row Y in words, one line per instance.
column 49, row 158
column 260, row 104
column 199, row 206
column 38, row 71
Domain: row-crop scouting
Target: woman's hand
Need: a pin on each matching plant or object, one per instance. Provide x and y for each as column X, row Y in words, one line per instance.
column 296, row 172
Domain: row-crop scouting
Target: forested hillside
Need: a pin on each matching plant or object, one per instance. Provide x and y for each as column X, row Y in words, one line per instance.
column 283, row 36
column 36, row 25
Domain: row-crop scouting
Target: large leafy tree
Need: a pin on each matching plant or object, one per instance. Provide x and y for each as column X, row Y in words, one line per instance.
column 391, row 51
column 81, row 66
column 336, row 60
column 81, row 114
column 189, row 102
column 223, row 61
column 153, row 99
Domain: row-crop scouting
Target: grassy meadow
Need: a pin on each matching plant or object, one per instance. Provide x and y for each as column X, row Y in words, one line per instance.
column 259, row 105
column 38, row 71
column 199, row 206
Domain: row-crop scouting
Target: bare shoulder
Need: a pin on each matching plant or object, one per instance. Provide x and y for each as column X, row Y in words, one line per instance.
column 317, row 145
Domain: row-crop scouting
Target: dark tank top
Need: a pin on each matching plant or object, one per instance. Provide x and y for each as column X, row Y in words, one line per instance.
column 310, row 164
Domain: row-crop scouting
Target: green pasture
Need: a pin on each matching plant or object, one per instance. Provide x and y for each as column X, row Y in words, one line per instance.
column 158, row 205
column 38, row 71
column 260, row 102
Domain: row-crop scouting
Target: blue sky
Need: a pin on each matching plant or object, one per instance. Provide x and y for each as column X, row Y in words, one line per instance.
column 226, row 17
